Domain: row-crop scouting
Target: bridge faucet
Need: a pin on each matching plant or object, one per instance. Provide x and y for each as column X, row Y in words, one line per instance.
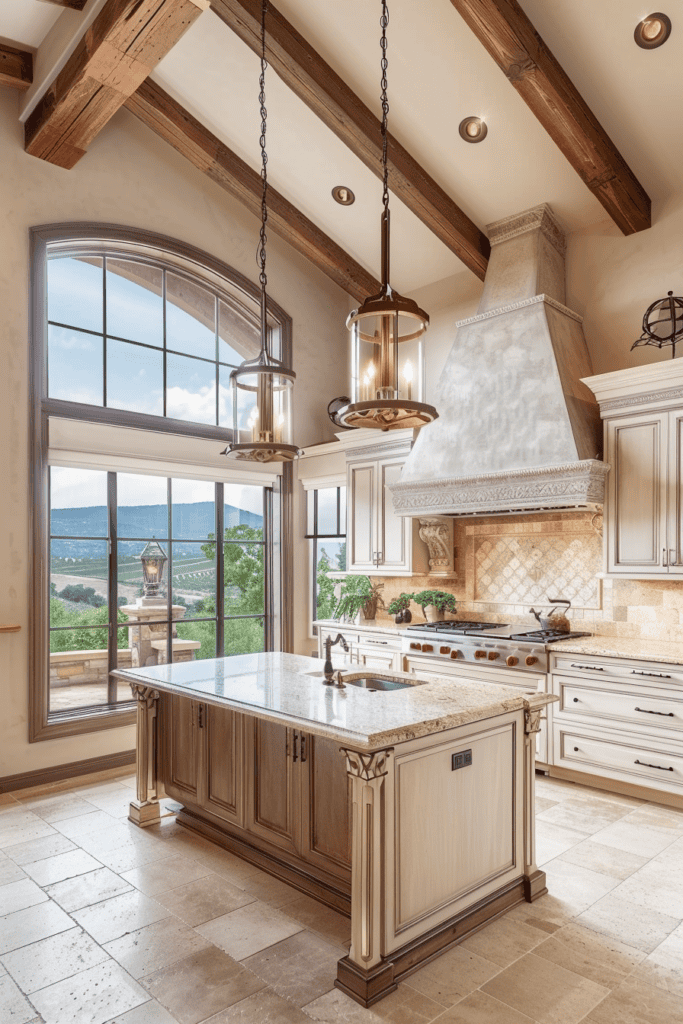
column 328, row 671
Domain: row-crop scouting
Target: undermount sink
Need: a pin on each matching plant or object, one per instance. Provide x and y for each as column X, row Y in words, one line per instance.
column 386, row 683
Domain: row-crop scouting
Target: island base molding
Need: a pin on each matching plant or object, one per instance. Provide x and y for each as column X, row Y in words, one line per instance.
column 368, row 987
column 309, row 884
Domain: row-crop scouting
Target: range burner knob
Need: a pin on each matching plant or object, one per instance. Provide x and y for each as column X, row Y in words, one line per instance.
column 531, row 660
column 511, row 660
column 415, row 647
column 493, row 655
column 480, row 654
column 427, row 647
column 444, row 650
column 455, row 654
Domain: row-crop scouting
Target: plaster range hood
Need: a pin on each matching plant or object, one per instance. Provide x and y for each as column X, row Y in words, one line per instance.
column 517, row 430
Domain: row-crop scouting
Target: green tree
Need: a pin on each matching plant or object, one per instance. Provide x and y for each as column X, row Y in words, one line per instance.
column 79, row 638
column 326, row 598
column 243, row 570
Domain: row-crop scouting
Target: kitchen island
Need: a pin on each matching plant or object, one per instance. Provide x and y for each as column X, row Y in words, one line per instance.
column 411, row 810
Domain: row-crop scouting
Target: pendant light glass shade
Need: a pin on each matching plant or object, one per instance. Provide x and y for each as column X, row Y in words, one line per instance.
column 387, row 353
column 262, row 386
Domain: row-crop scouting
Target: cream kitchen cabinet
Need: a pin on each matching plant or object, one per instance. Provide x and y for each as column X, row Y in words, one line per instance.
column 378, row 541
column 643, row 416
column 369, row 648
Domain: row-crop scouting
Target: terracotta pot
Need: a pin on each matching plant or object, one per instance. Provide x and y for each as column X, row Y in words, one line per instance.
column 432, row 613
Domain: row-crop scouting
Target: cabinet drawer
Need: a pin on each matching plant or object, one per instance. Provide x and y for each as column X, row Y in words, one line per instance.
column 616, row 668
column 628, row 759
column 645, row 706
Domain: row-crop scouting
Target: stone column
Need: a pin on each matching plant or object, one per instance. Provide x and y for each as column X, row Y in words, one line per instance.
column 363, row 974
column 141, row 633
column 534, row 879
column 145, row 810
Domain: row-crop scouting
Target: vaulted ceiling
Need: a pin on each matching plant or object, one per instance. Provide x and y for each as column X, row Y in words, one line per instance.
column 439, row 72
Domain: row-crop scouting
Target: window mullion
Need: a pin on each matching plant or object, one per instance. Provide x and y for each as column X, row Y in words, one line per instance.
column 112, row 589
column 220, row 571
column 169, row 575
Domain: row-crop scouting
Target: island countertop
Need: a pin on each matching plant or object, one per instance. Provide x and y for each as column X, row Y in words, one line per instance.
column 288, row 689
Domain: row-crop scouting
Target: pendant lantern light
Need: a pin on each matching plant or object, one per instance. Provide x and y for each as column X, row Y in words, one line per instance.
column 386, row 332
column 261, row 387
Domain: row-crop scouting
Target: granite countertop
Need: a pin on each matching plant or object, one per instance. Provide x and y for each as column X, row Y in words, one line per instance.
column 668, row 652
column 372, row 625
column 288, row 689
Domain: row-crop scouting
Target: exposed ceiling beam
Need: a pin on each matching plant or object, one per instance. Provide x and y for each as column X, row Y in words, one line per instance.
column 175, row 125
column 16, row 67
column 518, row 50
column 328, row 96
column 122, row 46
column 75, row 5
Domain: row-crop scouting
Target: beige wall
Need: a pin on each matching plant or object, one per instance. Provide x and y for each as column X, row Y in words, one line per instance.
column 128, row 177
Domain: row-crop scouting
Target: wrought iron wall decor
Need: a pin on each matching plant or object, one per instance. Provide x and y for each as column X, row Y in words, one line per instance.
column 662, row 324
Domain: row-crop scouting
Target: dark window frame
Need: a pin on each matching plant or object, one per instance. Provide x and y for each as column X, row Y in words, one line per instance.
column 238, row 292
column 316, row 536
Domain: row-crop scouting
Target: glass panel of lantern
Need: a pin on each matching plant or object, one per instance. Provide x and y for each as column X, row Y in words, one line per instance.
column 387, row 358
column 261, row 404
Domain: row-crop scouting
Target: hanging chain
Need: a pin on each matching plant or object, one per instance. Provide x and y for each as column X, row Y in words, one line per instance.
column 261, row 253
column 384, row 21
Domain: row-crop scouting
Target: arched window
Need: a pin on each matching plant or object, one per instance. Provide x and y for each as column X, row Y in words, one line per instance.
column 134, row 338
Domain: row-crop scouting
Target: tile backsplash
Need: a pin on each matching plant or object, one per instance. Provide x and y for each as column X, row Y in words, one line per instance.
column 506, row 564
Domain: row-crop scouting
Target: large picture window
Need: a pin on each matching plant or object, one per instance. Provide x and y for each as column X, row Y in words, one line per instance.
column 148, row 545
column 326, row 530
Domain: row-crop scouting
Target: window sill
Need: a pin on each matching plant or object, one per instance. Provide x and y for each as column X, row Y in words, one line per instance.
column 88, row 721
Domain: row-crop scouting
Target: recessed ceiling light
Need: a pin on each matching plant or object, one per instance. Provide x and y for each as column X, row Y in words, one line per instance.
column 343, row 195
column 473, row 129
column 652, row 31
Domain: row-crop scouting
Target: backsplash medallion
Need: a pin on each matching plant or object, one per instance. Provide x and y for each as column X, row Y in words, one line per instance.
column 506, row 564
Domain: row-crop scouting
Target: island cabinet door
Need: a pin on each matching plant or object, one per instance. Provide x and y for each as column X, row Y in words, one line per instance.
column 326, row 807
column 221, row 778
column 182, row 749
column 273, row 783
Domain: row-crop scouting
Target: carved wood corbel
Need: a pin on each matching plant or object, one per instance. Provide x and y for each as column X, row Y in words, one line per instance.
column 145, row 810
column 437, row 534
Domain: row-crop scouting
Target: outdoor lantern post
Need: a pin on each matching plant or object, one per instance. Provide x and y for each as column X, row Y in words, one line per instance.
column 153, row 560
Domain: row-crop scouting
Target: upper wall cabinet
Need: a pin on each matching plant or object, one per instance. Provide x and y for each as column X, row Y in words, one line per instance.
column 378, row 541
column 643, row 412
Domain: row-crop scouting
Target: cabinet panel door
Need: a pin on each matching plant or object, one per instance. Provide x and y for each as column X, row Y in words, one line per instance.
column 394, row 531
column 273, row 785
column 222, row 779
column 362, row 515
column 636, row 516
column 675, row 494
column 181, row 774
column 325, row 801
column 376, row 658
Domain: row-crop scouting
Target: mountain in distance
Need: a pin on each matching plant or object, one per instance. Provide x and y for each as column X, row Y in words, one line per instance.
column 191, row 522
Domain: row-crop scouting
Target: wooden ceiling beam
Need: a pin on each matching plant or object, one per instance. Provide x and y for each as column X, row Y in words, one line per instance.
column 518, row 50
column 329, row 96
column 168, row 119
column 16, row 67
column 123, row 45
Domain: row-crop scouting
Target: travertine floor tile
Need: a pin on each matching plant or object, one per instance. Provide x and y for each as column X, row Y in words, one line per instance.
column 30, row 925
column 639, row 839
column 84, row 890
column 63, row 865
column 479, row 1008
column 91, row 997
column 598, row 957
column 116, row 803
column 39, row 849
column 155, row 946
column 14, row 1006
column 57, row 808
column 212, row 978
column 552, row 840
column 656, row 816
column 93, row 821
column 269, row 890
column 545, row 991
column 19, row 895
column 453, row 975
column 504, row 940
column 576, row 887
column 621, row 919
column 9, row 871
column 308, row 912
column 604, row 859
column 150, row 1012
column 655, row 889
column 7, row 800
column 299, row 968
column 336, row 1008
column 168, row 873
column 543, row 804
column 636, row 1003
column 264, row 1007
column 548, row 913
column 126, row 856
column 50, row 960
column 248, row 930
column 219, row 861
column 406, row 1006
column 18, row 834
column 661, row 970
column 114, row 917
column 583, row 816
column 204, row 899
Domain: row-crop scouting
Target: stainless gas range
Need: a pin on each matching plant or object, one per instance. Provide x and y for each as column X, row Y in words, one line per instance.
column 489, row 644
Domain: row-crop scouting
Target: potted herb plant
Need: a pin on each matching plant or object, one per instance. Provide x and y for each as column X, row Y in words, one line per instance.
column 400, row 608
column 359, row 598
column 435, row 604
